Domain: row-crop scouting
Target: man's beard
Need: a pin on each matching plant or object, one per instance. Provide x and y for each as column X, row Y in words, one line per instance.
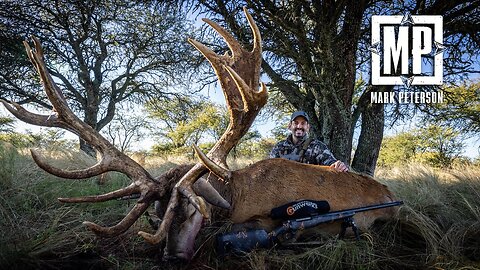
column 299, row 136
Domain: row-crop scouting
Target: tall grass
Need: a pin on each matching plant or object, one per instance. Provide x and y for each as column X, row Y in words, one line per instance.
column 38, row 232
column 8, row 157
column 437, row 228
column 442, row 212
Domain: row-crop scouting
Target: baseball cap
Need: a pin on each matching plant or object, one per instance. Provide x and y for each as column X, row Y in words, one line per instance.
column 299, row 113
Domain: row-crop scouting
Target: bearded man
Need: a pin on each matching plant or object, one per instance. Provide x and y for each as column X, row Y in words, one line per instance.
column 299, row 147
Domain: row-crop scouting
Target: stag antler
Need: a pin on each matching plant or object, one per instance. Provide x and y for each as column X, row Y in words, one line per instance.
column 111, row 158
column 239, row 75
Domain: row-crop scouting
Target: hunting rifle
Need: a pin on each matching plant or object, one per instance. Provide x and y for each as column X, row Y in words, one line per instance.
column 245, row 241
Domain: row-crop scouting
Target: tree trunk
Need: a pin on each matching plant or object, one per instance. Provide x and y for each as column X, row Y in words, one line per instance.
column 87, row 148
column 336, row 132
column 90, row 118
column 370, row 139
column 336, row 81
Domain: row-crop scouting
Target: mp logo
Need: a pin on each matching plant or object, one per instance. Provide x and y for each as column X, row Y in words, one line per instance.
column 407, row 50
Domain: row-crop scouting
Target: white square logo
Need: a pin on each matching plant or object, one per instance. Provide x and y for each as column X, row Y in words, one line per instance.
column 407, row 50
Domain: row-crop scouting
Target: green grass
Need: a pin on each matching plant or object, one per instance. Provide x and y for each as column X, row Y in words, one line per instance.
column 437, row 228
column 37, row 231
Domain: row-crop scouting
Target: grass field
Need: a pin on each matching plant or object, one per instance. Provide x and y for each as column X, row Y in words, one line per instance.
column 437, row 228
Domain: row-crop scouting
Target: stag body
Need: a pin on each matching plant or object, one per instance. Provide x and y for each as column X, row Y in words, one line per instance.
column 255, row 190
column 258, row 188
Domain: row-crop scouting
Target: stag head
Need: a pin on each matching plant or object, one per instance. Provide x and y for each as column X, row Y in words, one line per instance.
column 238, row 73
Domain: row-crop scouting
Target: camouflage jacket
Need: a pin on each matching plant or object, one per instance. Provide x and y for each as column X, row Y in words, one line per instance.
column 316, row 153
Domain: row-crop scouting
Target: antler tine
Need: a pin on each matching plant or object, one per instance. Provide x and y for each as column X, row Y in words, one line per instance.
column 131, row 189
column 33, row 118
column 249, row 97
column 232, row 43
column 97, row 169
column 123, row 225
column 242, row 87
column 51, row 89
column 38, row 47
column 162, row 231
column 262, row 94
column 211, row 56
column 215, row 168
column 257, row 38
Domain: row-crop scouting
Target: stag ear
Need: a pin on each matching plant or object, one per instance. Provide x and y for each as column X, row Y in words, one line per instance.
column 212, row 166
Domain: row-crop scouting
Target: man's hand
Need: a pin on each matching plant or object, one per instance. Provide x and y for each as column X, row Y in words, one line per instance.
column 339, row 166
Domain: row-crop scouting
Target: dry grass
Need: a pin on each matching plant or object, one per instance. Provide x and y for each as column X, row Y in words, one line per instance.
column 441, row 211
column 437, row 228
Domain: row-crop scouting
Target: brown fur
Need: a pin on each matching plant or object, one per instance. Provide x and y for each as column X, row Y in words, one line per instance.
column 253, row 191
column 266, row 184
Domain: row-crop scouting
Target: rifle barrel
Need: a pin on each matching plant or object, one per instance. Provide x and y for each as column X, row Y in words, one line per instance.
column 312, row 221
column 369, row 207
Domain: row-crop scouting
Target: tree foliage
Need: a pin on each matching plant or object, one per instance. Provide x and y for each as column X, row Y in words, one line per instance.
column 461, row 109
column 434, row 145
column 19, row 140
column 255, row 148
column 184, row 121
column 100, row 52
column 6, row 124
column 127, row 128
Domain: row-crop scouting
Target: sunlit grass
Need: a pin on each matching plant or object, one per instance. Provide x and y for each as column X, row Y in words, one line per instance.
column 442, row 210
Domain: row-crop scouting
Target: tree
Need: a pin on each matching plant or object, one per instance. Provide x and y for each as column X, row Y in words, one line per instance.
column 6, row 124
column 53, row 139
column 245, row 143
column 398, row 149
column 462, row 109
column 19, row 140
column 435, row 145
column 222, row 121
column 315, row 50
column 124, row 129
column 439, row 146
column 100, row 52
column 184, row 120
